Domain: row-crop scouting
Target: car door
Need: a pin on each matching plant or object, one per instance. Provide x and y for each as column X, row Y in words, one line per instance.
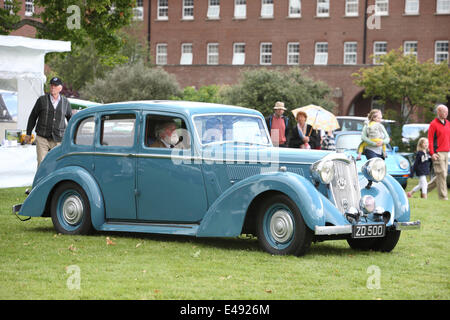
column 169, row 182
column 115, row 162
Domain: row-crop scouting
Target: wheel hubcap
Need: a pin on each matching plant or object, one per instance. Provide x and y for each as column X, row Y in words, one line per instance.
column 72, row 210
column 281, row 226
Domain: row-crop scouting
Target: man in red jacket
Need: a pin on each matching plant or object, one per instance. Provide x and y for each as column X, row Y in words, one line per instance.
column 439, row 144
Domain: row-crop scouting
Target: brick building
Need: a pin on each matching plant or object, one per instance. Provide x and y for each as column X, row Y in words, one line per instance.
column 206, row 42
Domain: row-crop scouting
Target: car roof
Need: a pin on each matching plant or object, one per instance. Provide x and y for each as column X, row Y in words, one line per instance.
column 185, row 107
column 359, row 118
column 417, row 125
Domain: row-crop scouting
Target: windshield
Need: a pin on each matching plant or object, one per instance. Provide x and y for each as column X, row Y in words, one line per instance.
column 348, row 141
column 413, row 131
column 351, row 142
column 214, row 129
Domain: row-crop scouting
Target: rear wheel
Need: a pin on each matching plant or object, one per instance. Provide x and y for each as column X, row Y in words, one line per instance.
column 70, row 210
column 281, row 229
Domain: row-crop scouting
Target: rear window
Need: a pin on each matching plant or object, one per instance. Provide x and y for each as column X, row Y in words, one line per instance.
column 118, row 130
column 85, row 132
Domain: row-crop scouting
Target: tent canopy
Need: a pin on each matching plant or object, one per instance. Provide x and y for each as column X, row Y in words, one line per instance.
column 22, row 63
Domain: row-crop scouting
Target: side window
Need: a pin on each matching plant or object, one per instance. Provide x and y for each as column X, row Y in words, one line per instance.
column 166, row 132
column 118, row 130
column 85, row 132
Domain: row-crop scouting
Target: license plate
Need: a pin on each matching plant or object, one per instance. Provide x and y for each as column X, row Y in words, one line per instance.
column 368, row 231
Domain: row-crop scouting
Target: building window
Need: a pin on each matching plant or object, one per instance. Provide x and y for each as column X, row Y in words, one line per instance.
column 410, row 47
column 267, row 8
column 240, row 9
column 379, row 49
column 350, row 52
column 29, row 7
column 8, row 6
column 213, row 53
column 239, row 53
column 213, row 9
column 351, row 8
column 323, row 8
column 163, row 9
column 412, row 7
column 443, row 6
column 295, row 8
column 382, row 7
column 265, row 54
column 186, row 53
column 293, row 53
column 188, row 9
column 441, row 51
column 161, row 54
column 321, row 56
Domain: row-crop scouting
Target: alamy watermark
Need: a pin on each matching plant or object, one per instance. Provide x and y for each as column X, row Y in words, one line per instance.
column 74, row 280
column 374, row 280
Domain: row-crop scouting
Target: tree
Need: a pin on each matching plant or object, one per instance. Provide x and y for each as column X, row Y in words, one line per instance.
column 261, row 88
column 132, row 82
column 83, row 65
column 209, row 93
column 402, row 79
column 73, row 20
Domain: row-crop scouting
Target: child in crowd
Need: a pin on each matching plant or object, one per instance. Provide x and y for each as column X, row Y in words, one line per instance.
column 421, row 168
column 374, row 136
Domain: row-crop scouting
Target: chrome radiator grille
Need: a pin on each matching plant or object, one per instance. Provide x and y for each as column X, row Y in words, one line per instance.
column 345, row 185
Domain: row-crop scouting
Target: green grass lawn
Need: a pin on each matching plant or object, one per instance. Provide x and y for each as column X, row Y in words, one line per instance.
column 37, row 263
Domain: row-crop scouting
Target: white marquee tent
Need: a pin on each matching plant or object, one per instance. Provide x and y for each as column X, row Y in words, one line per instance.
column 22, row 69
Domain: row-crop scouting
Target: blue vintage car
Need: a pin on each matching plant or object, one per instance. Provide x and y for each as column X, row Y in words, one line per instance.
column 396, row 165
column 209, row 170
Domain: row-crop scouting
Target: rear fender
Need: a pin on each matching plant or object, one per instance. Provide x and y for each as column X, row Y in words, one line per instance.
column 35, row 203
column 226, row 215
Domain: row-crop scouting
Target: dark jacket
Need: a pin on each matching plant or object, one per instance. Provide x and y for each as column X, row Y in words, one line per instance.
column 295, row 141
column 50, row 121
column 422, row 164
column 286, row 124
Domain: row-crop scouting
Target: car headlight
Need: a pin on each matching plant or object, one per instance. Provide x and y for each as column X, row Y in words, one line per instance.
column 374, row 169
column 323, row 171
column 403, row 164
column 367, row 204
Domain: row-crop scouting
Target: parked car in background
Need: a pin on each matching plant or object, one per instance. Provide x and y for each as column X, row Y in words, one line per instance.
column 352, row 123
column 396, row 165
column 412, row 131
column 222, row 177
column 79, row 104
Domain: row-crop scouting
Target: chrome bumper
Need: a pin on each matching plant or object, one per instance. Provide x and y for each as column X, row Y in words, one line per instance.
column 347, row 229
column 332, row 230
column 16, row 208
column 412, row 225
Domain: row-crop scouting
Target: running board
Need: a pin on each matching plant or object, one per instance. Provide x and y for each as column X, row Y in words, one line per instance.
column 162, row 228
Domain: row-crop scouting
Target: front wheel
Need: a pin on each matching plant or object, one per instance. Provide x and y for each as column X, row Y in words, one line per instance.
column 70, row 210
column 281, row 229
column 385, row 244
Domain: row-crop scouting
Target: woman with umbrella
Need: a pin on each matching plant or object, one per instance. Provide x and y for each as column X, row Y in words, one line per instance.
column 304, row 136
column 311, row 119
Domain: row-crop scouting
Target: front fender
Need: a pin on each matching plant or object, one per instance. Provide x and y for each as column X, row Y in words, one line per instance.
column 35, row 203
column 401, row 203
column 226, row 216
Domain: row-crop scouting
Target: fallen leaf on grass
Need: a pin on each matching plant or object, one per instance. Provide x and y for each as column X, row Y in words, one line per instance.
column 139, row 244
column 268, row 291
column 109, row 242
column 72, row 248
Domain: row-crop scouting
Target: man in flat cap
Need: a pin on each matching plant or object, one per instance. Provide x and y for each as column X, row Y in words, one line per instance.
column 50, row 111
column 278, row 125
